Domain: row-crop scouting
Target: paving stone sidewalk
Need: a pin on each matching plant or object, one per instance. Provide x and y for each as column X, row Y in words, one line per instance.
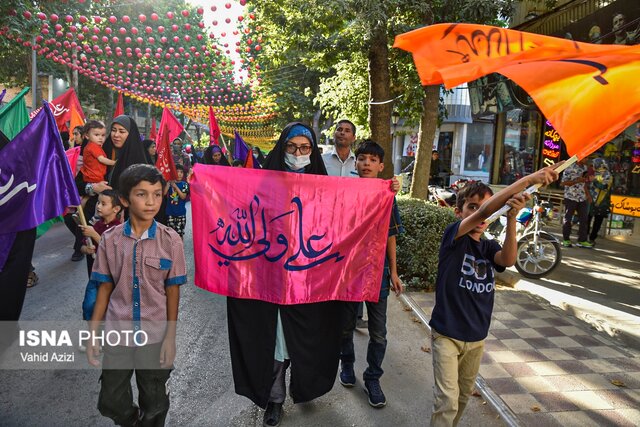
column 551, row 369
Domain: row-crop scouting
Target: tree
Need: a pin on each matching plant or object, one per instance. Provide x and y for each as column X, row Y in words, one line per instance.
column 478, row 11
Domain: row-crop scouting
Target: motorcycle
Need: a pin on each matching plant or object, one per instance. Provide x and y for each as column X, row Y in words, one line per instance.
column 446, row 197
column 538, row 252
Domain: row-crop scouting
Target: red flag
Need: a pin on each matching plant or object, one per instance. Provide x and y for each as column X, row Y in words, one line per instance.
column 119, row 106
column 62, row 108
column 153, row 134
column 569, row 81
column 170, row 128
column 214, row 129
column 281, row 237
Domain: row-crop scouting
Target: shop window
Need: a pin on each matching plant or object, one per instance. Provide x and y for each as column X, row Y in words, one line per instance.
column 479, row 148
column 519, row 152
column 623, row 156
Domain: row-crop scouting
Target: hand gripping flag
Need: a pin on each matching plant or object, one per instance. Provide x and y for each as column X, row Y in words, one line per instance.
column 36, row 183
column 289, row 238
column 588, row 91
column 170, row 128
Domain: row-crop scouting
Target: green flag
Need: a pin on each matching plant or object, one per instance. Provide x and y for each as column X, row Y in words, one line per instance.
column 14, row 115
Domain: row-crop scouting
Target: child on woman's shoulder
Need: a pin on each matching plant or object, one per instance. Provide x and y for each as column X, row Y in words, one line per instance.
column 94, row 159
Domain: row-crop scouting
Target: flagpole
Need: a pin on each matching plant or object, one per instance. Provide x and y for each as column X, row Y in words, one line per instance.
column 530, row 190
column 83, row 221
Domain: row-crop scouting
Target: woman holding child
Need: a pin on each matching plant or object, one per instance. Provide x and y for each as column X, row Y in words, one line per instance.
column 266, row 338
column 123, row 144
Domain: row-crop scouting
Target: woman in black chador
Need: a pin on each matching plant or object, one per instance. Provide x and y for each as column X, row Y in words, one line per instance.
column 266, row 338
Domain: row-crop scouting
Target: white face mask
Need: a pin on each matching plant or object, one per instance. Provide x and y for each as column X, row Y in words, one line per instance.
column 296, row 162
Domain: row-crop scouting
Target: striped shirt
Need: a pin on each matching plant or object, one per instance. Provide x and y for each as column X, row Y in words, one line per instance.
column 140, row 269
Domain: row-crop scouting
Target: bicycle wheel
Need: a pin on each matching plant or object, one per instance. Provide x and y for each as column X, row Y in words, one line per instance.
column 536, row 260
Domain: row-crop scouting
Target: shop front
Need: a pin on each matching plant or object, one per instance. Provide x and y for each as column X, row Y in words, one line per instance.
column 526, row 141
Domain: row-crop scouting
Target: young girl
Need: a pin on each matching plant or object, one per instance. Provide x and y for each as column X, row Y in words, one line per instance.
column 108, row 209
column 176, row 202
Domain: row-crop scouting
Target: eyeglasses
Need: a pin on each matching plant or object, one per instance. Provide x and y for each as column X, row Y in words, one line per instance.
column 292, row 148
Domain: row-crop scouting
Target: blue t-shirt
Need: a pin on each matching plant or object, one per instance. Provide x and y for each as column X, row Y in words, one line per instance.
column 175, row 205
column 465, row 286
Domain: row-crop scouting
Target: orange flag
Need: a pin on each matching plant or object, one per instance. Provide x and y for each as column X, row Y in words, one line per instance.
column 119, row 106
column 588, row 91
column 75, row 117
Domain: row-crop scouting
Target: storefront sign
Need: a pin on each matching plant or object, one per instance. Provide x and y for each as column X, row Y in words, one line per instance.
column 623, row 205
column 551, row 145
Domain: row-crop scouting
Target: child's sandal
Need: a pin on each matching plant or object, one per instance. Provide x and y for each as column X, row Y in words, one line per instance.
column 32, row 279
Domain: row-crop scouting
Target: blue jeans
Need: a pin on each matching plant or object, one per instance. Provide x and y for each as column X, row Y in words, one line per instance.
column 377, row 317
column 89, row 301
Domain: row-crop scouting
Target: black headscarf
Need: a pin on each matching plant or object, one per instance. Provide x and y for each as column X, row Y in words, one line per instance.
column 260, row 158
column 146, row 144
column 207, row 156
column 275, row 159
column 131, row 153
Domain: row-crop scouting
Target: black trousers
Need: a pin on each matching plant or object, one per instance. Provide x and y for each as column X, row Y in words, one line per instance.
column 582, row 210
column 116, row 396
column 13, row 277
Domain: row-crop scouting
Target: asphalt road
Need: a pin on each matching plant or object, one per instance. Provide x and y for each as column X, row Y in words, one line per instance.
column 202, row 392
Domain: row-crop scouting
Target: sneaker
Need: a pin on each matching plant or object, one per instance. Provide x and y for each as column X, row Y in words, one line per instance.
column 361, row 323
column 272, row 415
column 347, row 376
column 593, row 242
column 77, row 256
column 566, row 243
column 376, row 396
column 585, row 244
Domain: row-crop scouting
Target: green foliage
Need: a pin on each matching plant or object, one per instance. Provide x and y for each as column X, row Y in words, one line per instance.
column 346, row 93
column 418, row 247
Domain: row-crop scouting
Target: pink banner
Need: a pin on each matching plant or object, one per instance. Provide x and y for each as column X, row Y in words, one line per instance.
column 289, row 238
column 72, row 156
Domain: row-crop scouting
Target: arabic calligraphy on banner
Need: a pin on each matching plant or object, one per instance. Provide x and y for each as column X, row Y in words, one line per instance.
column 623, row 205
column 289, row 238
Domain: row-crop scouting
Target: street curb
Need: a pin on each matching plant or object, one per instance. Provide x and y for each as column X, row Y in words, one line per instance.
column 507, row 415
column 597, row 316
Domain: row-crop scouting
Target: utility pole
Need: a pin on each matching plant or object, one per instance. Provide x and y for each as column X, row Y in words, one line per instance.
column 34, row 78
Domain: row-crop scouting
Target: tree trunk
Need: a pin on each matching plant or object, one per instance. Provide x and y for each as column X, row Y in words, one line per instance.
column 428, row 126
column 380, row 91
column 316, row 125
column 111, row 107
column 74, row 76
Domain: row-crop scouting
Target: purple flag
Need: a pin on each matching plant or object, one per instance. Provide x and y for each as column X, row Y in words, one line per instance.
column 4, row 92
column 36, row 183
column 240, row 148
